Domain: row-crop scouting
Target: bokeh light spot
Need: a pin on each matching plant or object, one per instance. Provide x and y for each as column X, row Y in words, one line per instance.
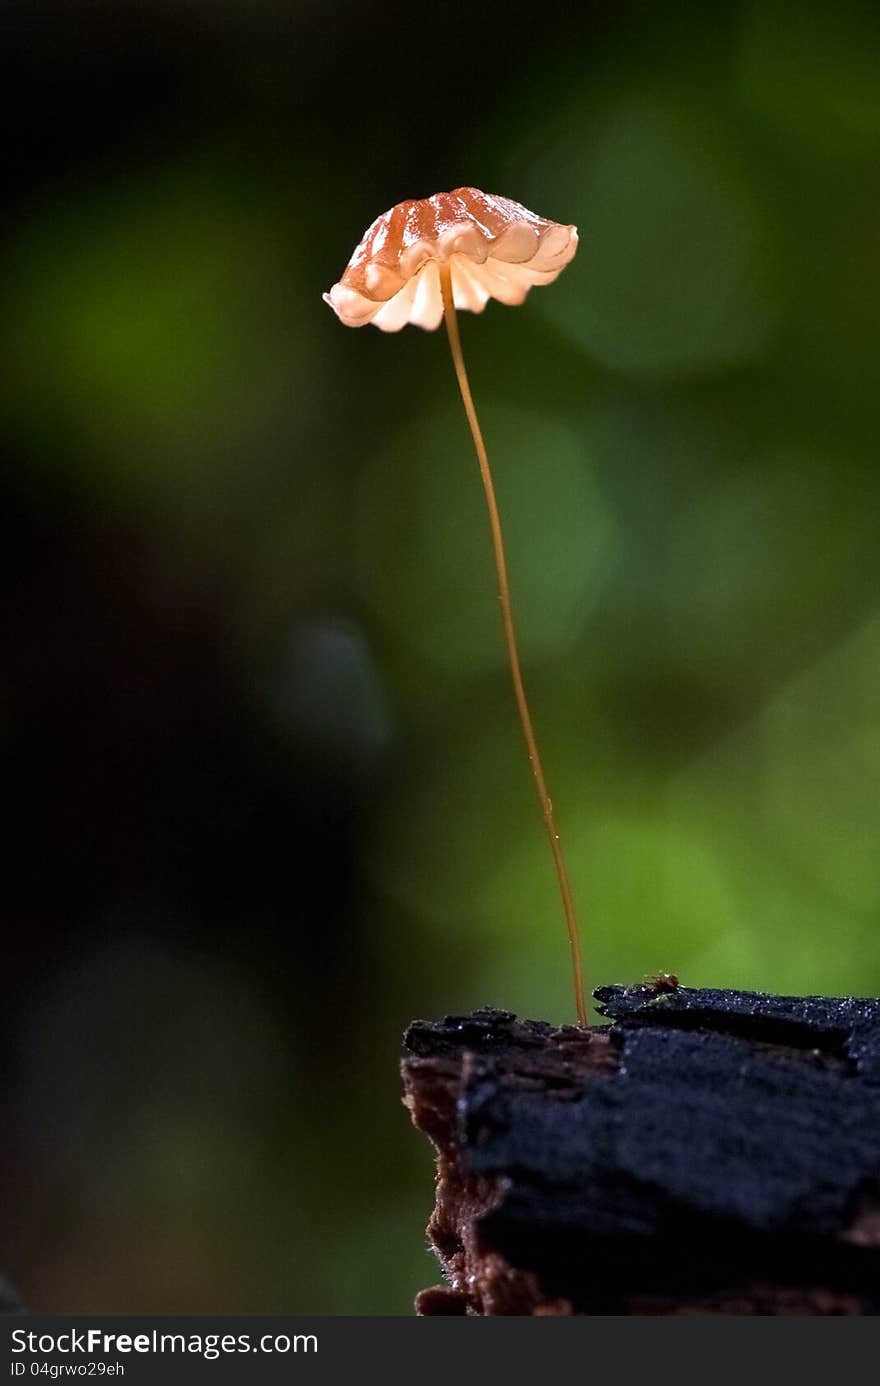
column 424, row 555
column 674, row 275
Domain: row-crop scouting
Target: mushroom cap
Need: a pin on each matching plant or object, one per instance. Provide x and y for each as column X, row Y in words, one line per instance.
column 495, row 248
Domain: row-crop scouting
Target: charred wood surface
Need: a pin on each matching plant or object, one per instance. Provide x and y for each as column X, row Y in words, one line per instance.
column 706, row 1151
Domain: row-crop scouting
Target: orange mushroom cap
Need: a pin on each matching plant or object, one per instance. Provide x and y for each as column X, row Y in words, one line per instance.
column 495, row 248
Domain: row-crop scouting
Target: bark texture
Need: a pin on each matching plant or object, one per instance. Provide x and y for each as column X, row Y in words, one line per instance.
column 704, row 1152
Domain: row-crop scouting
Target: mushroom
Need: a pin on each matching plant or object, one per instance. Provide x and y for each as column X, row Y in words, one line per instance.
column 419, row 263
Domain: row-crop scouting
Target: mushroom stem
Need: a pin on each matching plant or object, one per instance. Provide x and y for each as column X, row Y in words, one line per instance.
column 553, row 837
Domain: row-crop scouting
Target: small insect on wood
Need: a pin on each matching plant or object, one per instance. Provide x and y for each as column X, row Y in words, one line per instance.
column 655, row 981
column 662, row 981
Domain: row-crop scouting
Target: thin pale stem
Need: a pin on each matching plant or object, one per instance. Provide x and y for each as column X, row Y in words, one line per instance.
column 510, row 640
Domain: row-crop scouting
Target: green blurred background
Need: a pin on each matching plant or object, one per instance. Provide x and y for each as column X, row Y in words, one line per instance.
column 268, row 795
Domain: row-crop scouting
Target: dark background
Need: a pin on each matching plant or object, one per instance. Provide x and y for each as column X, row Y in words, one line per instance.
column 266, row 795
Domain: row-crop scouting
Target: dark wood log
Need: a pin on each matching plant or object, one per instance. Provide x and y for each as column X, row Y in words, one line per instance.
column 705, row 1152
